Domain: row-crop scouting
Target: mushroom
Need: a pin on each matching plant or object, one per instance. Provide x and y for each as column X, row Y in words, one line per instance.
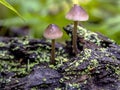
column 53, row 32
column 76, row 14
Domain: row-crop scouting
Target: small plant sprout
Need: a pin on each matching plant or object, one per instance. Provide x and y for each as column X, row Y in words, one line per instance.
column 53, row 32
column 76, row 14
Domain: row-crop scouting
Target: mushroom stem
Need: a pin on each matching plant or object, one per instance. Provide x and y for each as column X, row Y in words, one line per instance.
column 74, row 40
column 53, row 52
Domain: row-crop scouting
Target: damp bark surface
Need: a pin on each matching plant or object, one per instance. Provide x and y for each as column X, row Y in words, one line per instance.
column 25, row 63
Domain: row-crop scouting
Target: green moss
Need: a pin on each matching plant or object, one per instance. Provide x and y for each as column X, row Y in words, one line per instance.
column 34, row 88
column 61, row 80
column 44, row 79
column 117, row 71
column 2, row 44
column 93, row 63
column 58, row 89
column 88, row 35
column 5, row 55
column 74, row 85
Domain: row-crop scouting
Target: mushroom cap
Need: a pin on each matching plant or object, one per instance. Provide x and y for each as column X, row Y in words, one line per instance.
column 77, row 13
column 52, row 32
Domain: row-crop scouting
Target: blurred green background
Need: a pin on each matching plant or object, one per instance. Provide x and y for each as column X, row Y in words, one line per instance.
column 104, row 15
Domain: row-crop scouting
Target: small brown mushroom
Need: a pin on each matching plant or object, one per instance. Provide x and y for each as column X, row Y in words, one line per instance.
column 76, row 14
column 53, row 32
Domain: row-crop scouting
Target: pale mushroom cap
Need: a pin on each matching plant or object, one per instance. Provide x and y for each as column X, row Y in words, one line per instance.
column 77, row 13
column 53, row 32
